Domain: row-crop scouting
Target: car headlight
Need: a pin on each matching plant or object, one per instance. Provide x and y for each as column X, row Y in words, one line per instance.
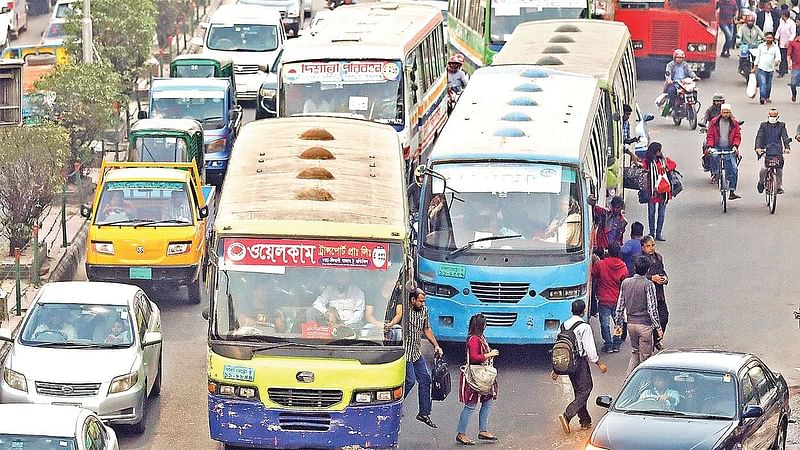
column 123, row 383
column 106, row 248
column 294, row 11
column 216, row 146
column 267, row 92
column 15, row 379
column 178, row 248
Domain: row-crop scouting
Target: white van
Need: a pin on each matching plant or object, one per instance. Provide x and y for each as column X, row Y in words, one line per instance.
column 252, row 36
column 17, row 11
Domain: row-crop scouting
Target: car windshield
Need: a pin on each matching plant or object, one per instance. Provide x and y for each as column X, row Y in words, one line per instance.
column 70, row 324
column 507, row 15
column 160, row 149
column 207, row 107
column 371, row 90
column 131, row 203
column 64, row 9
column 309, row 291
column 242, row 38
column 534, row 206
column 682, row 392
column 54, row 31
column 195, row 71
column 19, row 441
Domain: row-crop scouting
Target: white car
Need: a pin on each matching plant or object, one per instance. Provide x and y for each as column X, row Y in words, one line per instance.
column 89, row 344
column 45, row 427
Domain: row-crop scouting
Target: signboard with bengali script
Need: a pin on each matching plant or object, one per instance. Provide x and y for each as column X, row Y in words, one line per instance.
column 306, row 253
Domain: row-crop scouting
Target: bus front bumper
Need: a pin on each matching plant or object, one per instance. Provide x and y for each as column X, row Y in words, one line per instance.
column 251, row 424
column 512, row 324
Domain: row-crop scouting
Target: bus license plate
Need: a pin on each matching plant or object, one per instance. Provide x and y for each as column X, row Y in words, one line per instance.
column 141, row 273
column 238, row 373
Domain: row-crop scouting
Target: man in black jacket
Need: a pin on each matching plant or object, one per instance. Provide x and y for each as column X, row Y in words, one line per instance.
column 773, row 141
column 767, row 18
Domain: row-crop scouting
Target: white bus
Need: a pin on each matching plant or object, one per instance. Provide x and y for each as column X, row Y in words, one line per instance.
column 383, row 62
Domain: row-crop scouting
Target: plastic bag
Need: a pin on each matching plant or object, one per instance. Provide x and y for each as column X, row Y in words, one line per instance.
column 752, row 86
column 661, row 100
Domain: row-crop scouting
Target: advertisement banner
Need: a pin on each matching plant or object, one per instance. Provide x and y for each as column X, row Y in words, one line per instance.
column 341, row 72
column 306, row 253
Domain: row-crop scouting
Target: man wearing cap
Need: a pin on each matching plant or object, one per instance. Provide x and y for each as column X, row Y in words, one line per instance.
column 724, row 134
column 456, row 78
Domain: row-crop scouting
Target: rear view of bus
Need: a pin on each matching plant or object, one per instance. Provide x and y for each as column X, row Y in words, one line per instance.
column 505, row 216
column 311, row 260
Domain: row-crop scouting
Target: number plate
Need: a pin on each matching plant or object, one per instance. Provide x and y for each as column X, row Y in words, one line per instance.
column 140, row 273
column 239, row 373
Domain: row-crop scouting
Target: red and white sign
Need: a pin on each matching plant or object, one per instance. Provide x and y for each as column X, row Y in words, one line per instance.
column 306, row 253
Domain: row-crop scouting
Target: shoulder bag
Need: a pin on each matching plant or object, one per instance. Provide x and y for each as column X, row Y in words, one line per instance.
column 480, row 377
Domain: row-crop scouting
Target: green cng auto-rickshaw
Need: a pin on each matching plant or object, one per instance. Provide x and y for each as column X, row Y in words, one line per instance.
column 167, row 140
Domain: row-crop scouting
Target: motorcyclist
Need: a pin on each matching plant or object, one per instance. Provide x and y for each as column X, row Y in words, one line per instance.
column 457, row 79
column 725, row 134
column 713, row 111
column 676, row 70
column 750, row 33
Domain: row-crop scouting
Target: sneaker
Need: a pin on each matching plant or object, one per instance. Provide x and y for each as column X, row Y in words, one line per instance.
column 606, row 349
column 614, row 349
column 760, row 187
column 562, row 419
column 780, row 191
column 733, row 196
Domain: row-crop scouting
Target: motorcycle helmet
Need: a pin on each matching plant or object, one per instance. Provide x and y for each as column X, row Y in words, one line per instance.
column 718, row 97
column 678, row 53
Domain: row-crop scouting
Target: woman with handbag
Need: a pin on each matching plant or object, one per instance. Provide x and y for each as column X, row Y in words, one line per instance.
column 478, row 382
column 659, row 188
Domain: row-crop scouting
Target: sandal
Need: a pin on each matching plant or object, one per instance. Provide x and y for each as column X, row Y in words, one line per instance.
column 461, row 438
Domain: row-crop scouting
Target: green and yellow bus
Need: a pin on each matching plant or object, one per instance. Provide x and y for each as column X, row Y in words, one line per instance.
column 311, row 258
column 479, row 28
column 598, row 48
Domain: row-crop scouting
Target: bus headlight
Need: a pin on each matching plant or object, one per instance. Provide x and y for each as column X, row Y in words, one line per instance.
column 697, row 47
column 439, row 290
column 106, row 248
column 377, row 396
column 233, row 391
column 564, row 293
column 216, row 146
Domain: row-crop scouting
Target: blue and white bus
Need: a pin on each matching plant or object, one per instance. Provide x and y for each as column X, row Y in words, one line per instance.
column 505, row 226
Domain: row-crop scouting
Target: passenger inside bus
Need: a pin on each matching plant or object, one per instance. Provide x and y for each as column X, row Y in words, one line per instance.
column 392, row 314
column 316, row 100
column 347, row 300
column 565, row 226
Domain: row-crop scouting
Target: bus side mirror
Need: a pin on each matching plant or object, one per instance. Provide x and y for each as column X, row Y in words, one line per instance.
column 205, row 313
column 204, row 212
column 86, row 211
column 141, row 115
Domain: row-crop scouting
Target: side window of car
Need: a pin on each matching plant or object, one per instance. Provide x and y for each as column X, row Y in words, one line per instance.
column 762, row 385
column 749, row 394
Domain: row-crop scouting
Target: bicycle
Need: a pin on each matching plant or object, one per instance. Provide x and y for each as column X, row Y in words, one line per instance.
column 722, row 177
column 772, row 163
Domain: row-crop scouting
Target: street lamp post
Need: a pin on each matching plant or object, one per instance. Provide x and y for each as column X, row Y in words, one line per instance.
column 86, row 29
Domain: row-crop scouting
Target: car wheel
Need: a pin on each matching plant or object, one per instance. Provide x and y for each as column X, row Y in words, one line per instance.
column 141, row 427
column 780, row 438
column 194, row 291
column 156, row 391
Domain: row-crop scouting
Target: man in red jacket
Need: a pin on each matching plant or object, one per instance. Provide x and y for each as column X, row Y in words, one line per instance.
column 724, row 134
column 609, row 272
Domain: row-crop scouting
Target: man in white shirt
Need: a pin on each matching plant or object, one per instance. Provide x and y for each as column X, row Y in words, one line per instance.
column 581, row 379
column 55, row 325
column 348, row 300
column 768, row 58
column 785, row 34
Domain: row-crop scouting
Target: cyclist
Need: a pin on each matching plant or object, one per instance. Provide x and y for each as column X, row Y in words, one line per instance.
column 773, row 141
column 725, row 135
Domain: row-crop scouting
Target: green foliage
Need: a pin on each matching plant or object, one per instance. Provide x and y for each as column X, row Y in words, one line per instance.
column 32, row 160
column 123, row 33
column 82, row 101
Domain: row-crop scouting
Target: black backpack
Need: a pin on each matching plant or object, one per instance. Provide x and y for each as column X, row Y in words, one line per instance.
column 440, row 380
column 565, row 350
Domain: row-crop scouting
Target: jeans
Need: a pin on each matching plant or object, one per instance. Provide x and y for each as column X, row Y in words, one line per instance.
column 483, row 416
column 641, row 344
column 784, row 67
column 762, row 177
column 606, row 314
column 656, row 227
column 672, row 93
column 417, row 371
column 727, row 30
column 795, row 81
column 582, row 386
column 764, row 83
column 731, row 169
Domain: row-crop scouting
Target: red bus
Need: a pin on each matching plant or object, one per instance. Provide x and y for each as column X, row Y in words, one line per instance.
column 660, row 26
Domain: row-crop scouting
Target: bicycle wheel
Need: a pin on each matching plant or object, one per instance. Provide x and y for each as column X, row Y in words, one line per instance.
column 723, row 185
column 768, row 190
column 773, row 191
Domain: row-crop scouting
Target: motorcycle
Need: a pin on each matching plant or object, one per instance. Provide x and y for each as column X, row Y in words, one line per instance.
column 746, row 60
column 686, row 103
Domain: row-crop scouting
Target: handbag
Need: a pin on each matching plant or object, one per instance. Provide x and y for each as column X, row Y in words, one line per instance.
column 675, row 181
column 440, row 380
column 480, row 377
column 644, row 196
column 634, row 177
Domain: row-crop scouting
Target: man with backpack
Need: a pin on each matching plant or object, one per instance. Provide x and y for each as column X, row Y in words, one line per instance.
column 573, row 351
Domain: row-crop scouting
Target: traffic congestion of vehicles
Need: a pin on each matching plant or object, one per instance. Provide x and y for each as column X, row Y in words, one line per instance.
column 307, row 236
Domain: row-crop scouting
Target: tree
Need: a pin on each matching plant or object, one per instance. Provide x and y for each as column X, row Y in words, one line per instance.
column 122, row 32
column 82, row 101
column 32, row 161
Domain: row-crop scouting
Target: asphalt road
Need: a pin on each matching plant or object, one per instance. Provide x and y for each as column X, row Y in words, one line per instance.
column 731, row 287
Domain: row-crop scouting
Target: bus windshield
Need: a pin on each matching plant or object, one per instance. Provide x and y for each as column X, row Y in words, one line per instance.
column 371, row 90
column 506, row 15
column 315, row 297
column 509, row 207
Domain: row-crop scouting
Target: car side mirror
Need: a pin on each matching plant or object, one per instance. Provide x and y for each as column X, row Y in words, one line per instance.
column 5, row 335
column 604, row 401
column 204, row 212
column 752, row 411
column 648, row 117
column 86, row 211
column 5, row 9
column 141, row 115
column 205, row 313
column 151, row 338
